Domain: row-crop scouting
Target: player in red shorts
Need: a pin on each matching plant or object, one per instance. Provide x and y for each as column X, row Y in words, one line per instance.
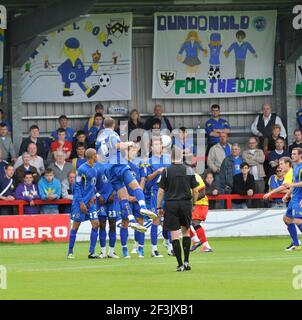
column 199, row 214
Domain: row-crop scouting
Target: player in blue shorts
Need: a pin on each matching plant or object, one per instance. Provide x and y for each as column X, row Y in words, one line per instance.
column 293, row 216
column 118, row 172
column 83, row 206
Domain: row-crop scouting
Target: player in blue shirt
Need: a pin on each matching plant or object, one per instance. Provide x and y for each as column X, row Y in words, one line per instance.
column 118, row 172
column 293, row 216
column 83, row 206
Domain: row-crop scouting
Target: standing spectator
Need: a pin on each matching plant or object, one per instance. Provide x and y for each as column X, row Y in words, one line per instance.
column 63, row 121
column 68, row 188
column 60, row 167
column 94, row 130
column 49, row 189
column 214, row 127
column 134, row 122
column 229, row 168
column 298, row 141
column 24, row 168
column 270, row 142
column 165, row 123
column 211, row 188
column 28, row 191
column 274, row 156
column 79, row 137
column 6, row 144
column 34, row 132
column 99, row 108
column 62, row 144
column 262, row 125
column 34, row 161
column 255, row 158
column 147, row 138
column 80, row 158
column 184, row 141
column 244, row 184
column 3, row 163
column 274, row 182
column 7, row 189
column 2, row 121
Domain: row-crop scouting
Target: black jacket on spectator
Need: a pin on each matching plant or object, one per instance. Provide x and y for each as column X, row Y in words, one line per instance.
column 41, row 150
column 148, row 124
column 209, row 192
column 132, row 126
column 241, row 187
column 294, row 145
column 20, row 171
column 74, row 148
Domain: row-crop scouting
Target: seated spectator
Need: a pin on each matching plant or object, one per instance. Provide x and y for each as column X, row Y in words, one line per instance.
column 49, row 189
column 255, row 158
column 68, row 188
column 165, row 123
column 2, row 121
column 63, row 121
column 270, row 142
column 7, row 189
column 94, row 130
column 229, row 168
column 60, row 167
column 214, row 127
column 34, row 132
column 298, row 141
column 274, row 156
column 147, row 138
column 211, row 188
column 99, row 108
column 134, row 122
column 25, row 167
column 262, row 125
column 3, row 163
column 28, row 191
column 243, row 184
column 61, row 144
column 79, row 137
column 80, row 159
column 274, row 182
column 6, row 144
column 184, row 141
column 34, row 161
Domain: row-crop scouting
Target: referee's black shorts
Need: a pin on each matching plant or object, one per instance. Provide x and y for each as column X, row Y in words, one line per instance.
column 177, row 214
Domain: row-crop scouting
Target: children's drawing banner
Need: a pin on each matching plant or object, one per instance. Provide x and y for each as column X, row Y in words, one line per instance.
column 211, row 54
column 89, row 60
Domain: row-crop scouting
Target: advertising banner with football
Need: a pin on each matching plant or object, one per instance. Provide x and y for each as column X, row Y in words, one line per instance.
column 299, row 77
column 213, row 54
column 89, row 60
column 35, row 228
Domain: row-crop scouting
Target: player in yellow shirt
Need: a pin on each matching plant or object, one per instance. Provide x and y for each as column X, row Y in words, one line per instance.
column 199, row 214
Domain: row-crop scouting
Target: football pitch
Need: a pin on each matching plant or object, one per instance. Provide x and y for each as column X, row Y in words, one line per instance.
column 239, row 268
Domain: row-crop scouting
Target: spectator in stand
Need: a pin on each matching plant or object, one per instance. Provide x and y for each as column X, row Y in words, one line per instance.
column 80, row 137
column 68, row 188
column 99, row 108
column 211, row 188
column 244, row 184
column 3, row 163
column 134, row 122
column 165, row 123
column 94, row 130
column 35, row 160
column 255, row 158
column 262, row 125
column 24, row 168
column 229, row 168
column 2, row 121
column 49, row 189
column 184, row 141
column 28, row 191
column 34, row 132
column 61, row 144
column 80, row 158
column 274, row 182
column 270, row 142
column 147, row 138
column 6, row 144
column 274, row 156
column 7, row 189
column 298, row 141
column 214, row 127
column 299, row 118
column 60, row 167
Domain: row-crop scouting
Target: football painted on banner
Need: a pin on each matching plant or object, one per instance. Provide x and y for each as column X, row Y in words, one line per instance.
column 105, row 80
column 166, row 141
column 214, row 74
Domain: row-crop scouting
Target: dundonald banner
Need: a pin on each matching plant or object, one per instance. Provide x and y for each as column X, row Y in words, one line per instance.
column 213, row 55
column 89, row 60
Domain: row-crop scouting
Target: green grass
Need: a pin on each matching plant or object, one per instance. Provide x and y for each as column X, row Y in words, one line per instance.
column 240, row 268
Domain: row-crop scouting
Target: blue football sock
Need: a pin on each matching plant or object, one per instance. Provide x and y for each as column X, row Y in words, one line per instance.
column 125, row 208
column 93, row 239
column 141, row 239
column 136, row 235
column 140, row 197
column 124, row 236
column 169, row 236
column 291, row 227
column 300, row 226
column 165, row 234
column 154, row 230
column 72, row 238
column 112, row 238
column 102, row 237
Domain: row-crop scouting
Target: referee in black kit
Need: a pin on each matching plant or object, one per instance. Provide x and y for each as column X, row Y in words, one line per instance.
column 176, row 184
